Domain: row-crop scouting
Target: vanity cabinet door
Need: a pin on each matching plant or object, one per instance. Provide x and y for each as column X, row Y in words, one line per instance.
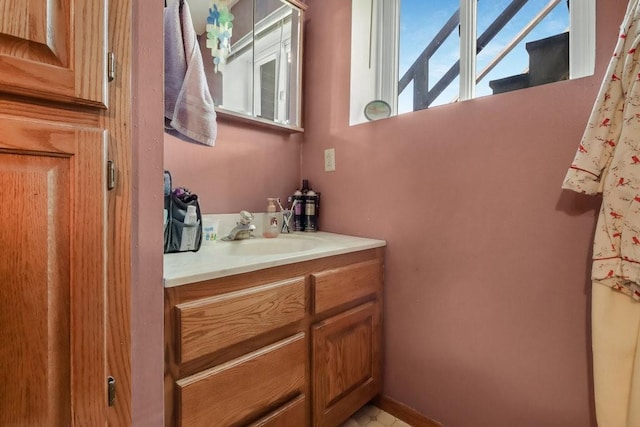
column 52, row 270
column 54, row 50
column 346, row 363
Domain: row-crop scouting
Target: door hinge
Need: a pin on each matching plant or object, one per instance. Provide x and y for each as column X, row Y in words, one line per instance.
column 111, row 390
column 111, row 175
column 111, row 66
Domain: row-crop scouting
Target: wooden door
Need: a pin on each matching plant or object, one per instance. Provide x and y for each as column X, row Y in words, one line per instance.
column 54, row 50
column 346, row 363
column 52, row 274
column 56, row 254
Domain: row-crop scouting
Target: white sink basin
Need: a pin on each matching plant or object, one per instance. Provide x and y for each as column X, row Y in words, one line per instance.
column 282, row 244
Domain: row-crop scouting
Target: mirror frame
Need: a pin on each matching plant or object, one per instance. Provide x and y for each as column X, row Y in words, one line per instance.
column 231, row 115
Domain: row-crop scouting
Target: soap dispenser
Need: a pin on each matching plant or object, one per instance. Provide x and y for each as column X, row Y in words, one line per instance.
column 272, row 220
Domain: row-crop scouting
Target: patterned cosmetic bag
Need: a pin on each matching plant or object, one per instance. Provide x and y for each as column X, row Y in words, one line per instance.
column 182, row 229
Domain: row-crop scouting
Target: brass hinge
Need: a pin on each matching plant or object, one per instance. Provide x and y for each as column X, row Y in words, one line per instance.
column 111, row 66
column 111, row 175
column 111, row 390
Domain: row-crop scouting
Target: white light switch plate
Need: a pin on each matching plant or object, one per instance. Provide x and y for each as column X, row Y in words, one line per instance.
column 330, row 160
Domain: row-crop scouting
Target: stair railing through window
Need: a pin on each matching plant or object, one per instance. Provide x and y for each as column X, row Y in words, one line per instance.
column 408, row 54
column 423, row 97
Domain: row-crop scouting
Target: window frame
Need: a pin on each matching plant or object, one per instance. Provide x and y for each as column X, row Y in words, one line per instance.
column 382, row 36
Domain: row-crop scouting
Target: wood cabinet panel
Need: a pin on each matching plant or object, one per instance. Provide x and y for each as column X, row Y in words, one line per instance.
column 346, row 363
column 24, row 357
column 289, row 415
column 52, row 310
column 245, row 388
column 54, row 50
column 231, row 373
column 332, row 288
column 212, row 324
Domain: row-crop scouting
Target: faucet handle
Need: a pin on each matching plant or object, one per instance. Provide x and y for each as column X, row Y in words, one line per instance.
column 246, row 217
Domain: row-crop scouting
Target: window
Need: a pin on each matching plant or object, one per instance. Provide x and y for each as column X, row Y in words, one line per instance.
column 416, row 54
column 266, row 88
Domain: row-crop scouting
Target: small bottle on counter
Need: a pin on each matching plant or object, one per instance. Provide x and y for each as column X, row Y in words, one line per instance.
column 271, row 221
column 188, row 240
column 310, row 217
column 298, row 211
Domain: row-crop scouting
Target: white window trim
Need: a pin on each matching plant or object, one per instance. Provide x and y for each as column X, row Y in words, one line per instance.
column 582, row 38
column 361, row 89
column 468, row 38
column 388, row 41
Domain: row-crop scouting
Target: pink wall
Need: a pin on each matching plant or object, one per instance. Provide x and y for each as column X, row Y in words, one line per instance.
column 487, row 290
column 487, row 285
column 247, row 165
column 147, row 309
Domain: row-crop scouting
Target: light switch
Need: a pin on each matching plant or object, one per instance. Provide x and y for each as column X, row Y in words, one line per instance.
column 330, row 160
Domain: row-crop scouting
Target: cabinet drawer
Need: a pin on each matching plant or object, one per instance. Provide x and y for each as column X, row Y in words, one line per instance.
column 212, row 324
column 333, row 288
column 289, row 415
column 243, row 388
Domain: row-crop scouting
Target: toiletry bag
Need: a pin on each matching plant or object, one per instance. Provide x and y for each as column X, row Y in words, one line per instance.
column 176, row 202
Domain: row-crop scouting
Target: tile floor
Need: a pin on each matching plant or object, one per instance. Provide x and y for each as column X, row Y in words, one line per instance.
column 373, row 417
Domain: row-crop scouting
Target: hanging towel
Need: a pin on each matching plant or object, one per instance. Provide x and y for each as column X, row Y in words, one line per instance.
column 608, row 162
column 188, row 108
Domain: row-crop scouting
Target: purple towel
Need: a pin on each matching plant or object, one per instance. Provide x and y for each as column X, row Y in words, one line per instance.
column 188, row 108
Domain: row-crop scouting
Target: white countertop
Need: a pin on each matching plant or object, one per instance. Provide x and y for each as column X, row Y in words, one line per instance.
column 220, row 258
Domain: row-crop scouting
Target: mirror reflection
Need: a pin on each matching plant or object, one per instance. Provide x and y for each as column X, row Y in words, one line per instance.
column 252, row 57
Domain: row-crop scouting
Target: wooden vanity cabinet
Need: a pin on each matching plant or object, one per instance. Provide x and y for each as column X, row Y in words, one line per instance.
column 295, row 345
column 346, row 350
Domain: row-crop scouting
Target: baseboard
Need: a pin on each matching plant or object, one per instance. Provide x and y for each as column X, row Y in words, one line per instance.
column 403, row 412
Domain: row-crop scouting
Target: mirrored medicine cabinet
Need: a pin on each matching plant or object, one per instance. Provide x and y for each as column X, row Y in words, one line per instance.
column 252, row 54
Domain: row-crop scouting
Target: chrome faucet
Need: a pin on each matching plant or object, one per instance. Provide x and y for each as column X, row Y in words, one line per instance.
column 243, row 228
